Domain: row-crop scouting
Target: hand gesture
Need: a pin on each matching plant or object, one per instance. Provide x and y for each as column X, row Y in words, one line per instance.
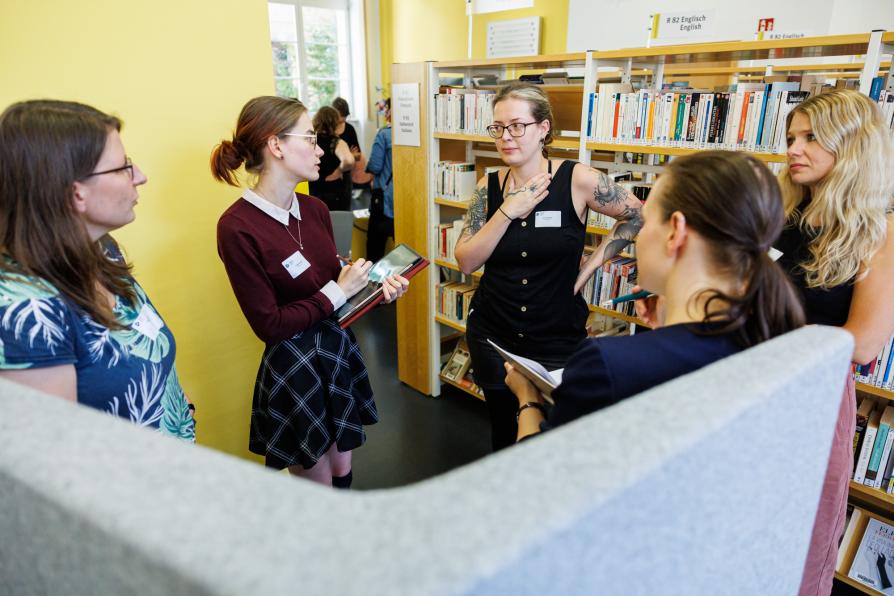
column 394, row 287
column 520, row 202
column 523, row 389
column 650, row 310
column 354, row 278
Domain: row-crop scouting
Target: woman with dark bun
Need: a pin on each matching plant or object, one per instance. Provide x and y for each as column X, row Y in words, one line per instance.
column 312, row 395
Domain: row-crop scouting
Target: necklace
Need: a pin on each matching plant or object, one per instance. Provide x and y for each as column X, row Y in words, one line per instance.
column 299, row 241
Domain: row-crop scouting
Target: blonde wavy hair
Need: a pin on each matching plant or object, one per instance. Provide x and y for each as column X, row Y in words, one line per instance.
column 846, row 216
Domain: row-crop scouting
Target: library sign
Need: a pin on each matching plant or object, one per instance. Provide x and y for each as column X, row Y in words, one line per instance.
column 683, row 26
column 405, row 114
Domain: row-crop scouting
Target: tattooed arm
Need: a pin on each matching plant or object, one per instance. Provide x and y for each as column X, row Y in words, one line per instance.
column 480, row 236
column 594, row 190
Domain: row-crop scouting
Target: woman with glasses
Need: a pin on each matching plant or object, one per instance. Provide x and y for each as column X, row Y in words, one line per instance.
column 73, row 321
column 312, row 395
column 335, row 163
column 527, row 223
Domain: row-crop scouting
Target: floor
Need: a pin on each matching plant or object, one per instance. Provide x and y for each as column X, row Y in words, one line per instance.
column 417, row 436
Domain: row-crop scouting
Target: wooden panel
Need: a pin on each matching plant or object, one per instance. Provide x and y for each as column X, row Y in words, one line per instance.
column 878, row 391
column 411, row 223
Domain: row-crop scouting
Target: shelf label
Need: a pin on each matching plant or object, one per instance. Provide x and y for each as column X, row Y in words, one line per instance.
column 683, row 26
column 518, row 37
column 486, row 6
column 405, row 114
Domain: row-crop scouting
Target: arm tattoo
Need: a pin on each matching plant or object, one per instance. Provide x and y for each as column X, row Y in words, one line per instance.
column 606, row 191
column 624, row 232
column 476, row 216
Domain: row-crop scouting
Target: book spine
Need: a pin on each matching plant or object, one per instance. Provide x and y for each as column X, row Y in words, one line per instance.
column 875, row 458
column 883, row 462
column 865, row 452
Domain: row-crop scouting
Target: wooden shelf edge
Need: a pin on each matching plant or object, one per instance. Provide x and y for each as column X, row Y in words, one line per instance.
column 455, row 267
column 600, row 231
column 871, row 496
column 854, row 584
column 449, row 323
column 615, row 315
column 560, row 143
column 877, row 391
column 452, row 203
column 659, row 150
column 461, row 387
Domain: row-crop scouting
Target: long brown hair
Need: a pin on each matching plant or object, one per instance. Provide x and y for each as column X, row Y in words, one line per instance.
column 733, row 201
column 260, row 118
column 45, row 147
column 326, row 121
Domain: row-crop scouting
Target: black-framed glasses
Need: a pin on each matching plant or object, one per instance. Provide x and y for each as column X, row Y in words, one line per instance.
column 312, row 139
column 516, row 129
column 128, row 165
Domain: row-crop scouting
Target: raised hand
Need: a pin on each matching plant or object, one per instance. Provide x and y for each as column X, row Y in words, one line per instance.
column 520, row 202
column 650, row 310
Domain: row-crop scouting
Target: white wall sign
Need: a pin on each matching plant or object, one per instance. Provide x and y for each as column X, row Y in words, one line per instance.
column 684, row 25
column 485, row 6
column 518, row 37
column 405, row 114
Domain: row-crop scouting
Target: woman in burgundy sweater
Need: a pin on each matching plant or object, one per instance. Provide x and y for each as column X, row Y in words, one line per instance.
column 312, row 395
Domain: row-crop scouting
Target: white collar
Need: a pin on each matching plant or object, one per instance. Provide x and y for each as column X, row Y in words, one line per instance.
column 277, row 213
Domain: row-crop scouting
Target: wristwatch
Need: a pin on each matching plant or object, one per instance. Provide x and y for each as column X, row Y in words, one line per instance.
column 531, row 404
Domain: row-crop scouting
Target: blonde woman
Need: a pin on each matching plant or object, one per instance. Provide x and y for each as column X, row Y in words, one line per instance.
column 838, row 248
column 527, row 222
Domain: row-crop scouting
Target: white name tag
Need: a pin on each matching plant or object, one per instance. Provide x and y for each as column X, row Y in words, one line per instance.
column 296, row 264
column 148, row 322
column 547, row 219
column 774, row 254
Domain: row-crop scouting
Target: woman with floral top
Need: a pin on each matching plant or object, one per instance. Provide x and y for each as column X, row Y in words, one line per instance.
column 73, row 321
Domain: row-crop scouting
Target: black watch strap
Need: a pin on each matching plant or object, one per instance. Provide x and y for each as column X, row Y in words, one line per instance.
column 531, row 404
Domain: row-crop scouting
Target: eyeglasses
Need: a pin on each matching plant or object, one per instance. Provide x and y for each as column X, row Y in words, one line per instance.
column 312, row 138
column 128, row 165
column 516, row 129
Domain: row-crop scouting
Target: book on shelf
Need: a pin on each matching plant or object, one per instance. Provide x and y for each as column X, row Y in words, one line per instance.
column 852, row 526
column 868, row 444
column 616, row 277
column 880, row 371
column 873, row 564
column 454, row 180
column 458, row 364
column 544, row 380
column 464, row 111
column 448, row 234
column 454, row 300
column 880, row 449
column 864, row 411
column 402, row 260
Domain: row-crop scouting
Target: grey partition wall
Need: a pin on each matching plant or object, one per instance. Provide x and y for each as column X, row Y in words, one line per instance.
column 707, row 484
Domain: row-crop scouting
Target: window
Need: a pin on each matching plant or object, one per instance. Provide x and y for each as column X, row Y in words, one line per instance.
column 311, row 50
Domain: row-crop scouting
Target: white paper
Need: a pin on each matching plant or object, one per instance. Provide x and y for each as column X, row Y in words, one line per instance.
column 148, row 322
column 486, row 6
column 685, row 25
column 535, row 372
column 547, row 219
column 518, row 37
column 296, row 264
column 405, row 114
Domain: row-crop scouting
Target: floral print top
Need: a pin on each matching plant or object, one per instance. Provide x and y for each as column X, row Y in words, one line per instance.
column 126, row 372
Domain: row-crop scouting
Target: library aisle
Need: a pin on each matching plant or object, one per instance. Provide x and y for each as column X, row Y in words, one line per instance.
column 417, row 437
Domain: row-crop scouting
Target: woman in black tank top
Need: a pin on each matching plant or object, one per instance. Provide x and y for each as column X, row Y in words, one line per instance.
column 335, row 164
column 838, row 248
column 528, row 223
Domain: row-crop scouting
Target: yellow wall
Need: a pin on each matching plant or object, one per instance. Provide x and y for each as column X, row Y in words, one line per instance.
column 177, row 73
column 420, row 30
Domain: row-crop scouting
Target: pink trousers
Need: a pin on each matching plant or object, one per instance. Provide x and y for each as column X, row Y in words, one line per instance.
column 828, row 526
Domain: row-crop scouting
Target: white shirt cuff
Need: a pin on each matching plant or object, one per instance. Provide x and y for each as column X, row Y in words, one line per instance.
column 335, row 294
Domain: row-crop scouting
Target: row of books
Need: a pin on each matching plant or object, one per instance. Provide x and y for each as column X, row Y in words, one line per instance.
column 866, row 551
column 615, row 278
column 879, row 372
column 873, row 441
column 885, row 102
column 454, row 298
column 454, row 180
column 465, row 111
column 600, row 220
column 751, row 116
column 448, row 234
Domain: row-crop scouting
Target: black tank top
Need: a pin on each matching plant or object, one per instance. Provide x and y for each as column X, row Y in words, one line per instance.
column 526, row 295
column 822, row 306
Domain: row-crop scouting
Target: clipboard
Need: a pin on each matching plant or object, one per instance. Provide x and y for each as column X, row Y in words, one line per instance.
column 402, row 260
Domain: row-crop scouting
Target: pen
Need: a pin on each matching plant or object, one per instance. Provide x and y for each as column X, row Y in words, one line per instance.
column 626, row 298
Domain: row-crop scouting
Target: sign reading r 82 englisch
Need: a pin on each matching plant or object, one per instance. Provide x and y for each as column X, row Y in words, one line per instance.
column 688, row 24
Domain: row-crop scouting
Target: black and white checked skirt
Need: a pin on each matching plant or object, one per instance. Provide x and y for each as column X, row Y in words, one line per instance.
column 312, row 390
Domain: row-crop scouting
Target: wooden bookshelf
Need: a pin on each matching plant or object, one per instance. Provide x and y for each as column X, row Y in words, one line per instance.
column 873, row 497
column 598, row 231
column 559, row 143
column 450, row 323
column 455, row 267
column 464, row 205
column 877, row 391
column 474, row 394
column 615, row 315
column 660, row 150
column 854, row 584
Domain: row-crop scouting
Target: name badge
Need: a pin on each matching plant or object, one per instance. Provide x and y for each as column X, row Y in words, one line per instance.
column 148, row 322
column 774, row 254
column 547, row 219
column 296, row 264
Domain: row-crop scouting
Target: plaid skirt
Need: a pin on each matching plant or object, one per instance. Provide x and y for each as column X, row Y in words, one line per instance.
column 312, row 390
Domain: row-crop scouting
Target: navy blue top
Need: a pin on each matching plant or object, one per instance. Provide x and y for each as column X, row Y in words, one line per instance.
column 603, row 371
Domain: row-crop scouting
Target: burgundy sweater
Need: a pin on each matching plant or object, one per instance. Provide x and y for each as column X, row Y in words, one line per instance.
column 253, row 246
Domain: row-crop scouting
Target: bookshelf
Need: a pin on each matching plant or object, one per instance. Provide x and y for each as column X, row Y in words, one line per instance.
column 876, row 391
column 859, row 55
